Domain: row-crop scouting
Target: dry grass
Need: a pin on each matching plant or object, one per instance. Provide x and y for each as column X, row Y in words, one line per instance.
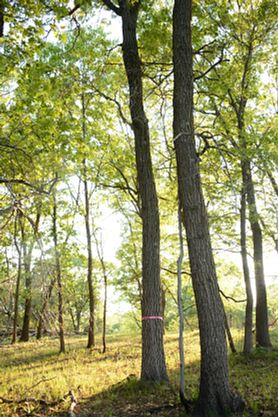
column 107, row 384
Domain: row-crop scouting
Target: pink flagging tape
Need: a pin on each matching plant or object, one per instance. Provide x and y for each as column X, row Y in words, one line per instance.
column 152, row 318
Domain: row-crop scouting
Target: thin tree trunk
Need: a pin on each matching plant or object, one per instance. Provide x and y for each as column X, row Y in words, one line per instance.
column 239, row 106
column 248, row 334
column 104, row 315
column 180, row 309
column 46, row 299
column 18, row 279
column 2, row 21
column 27, row 259
column 59, row 280
column 91, row 329
column 24, row 337
column 99, row 247
column 215, row 396
column 262, row 330
column 228, row 332
column 153, row 366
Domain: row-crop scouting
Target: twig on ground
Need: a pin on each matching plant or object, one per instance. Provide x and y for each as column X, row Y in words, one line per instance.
column 73, row 404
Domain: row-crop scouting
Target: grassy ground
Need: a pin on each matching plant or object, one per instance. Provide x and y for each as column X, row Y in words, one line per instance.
column 107, row 385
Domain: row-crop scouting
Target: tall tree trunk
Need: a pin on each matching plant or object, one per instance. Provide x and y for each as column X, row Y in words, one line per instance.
column 99, row 247
column 91, row 329
column 59, row 280
column 248, row 334
column 262, row 329
column 180, row 309
column 18, row 279
column 27, row 259
column 104, row 315
column 153, row 366
column 215, row 396
column 239, row 106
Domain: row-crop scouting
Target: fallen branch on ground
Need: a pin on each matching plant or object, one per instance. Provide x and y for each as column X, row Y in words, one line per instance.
column 35, row 400
column 72, row 405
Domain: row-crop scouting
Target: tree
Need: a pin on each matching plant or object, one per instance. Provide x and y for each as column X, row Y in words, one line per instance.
column 215, row 395
column 153, row 367
column 58, row 277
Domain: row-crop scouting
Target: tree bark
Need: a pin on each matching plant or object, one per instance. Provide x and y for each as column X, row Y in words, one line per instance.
column 27, row 259
column 91, row 329
column 180, row 309
column 262, row 330
column 248, row 326
column 239, row 106
column 215, row 396
column 18, row 279
column 153, row 367
column 59, row 279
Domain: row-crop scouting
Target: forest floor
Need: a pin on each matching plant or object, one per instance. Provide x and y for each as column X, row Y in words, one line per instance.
column 36, row 379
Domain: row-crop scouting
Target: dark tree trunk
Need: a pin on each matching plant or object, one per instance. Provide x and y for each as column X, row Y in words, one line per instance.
column 180, row 309
column 215, row 396
column 153, row 367
column 104, row 314
column 1, row 19
column 262, row 330
column 27, row 259
column 239, row 106
column 91, row 328
column 59, row 280
column 248, row 334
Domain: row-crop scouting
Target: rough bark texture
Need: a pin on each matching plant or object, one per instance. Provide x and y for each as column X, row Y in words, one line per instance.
column 215, row 396
column 180, row 309
column 153, row 360
column 59, row 281
column 248, row 327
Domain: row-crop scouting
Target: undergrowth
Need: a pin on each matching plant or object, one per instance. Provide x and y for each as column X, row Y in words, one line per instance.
column 108, row 385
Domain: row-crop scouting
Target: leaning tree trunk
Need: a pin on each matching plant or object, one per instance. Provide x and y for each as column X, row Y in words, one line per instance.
column 153, row 367
column 248, row 334
column 215, row 396
column 59, row 280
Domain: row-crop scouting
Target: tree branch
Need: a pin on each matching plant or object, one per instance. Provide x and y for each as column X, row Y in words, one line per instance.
column 113, row 7
column 230, row 298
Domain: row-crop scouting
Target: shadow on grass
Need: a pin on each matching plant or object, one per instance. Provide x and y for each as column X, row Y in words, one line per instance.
column 254, row 376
